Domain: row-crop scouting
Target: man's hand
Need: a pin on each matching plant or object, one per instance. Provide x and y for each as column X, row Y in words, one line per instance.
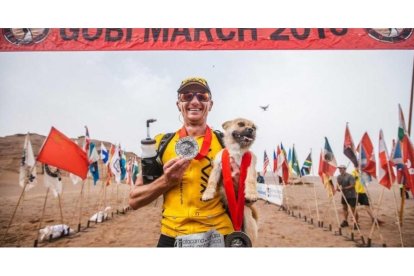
column 174, row 170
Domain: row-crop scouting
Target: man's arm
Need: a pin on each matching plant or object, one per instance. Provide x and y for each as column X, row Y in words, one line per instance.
column 142, row 195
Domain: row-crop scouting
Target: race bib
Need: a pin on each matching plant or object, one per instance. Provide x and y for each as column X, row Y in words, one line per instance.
column 211, row 238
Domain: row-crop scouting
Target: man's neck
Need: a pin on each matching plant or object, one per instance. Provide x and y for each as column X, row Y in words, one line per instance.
column 195, row 129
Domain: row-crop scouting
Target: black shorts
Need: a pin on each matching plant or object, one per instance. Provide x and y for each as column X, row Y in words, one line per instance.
column 166, row 241
column 363, row 199
column 351, row 201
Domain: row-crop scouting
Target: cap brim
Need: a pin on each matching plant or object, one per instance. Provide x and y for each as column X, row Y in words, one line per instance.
column 193, row 83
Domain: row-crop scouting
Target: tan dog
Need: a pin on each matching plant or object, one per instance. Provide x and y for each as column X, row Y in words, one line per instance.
column 239, row 135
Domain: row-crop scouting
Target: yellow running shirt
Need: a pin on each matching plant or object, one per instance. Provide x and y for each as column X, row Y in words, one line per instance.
column 183, row 210
column 359, row 188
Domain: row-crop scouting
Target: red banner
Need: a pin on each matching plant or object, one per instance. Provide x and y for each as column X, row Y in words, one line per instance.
column 110, row 39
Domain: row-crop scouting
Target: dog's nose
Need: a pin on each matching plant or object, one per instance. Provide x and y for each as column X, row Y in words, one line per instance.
column 250, row 130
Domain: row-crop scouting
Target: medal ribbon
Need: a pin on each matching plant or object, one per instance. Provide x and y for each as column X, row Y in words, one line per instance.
column 205, row 146
column 236, row 206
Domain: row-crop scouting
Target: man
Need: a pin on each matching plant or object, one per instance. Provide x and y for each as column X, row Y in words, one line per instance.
column 348, row 195
column 183, row 181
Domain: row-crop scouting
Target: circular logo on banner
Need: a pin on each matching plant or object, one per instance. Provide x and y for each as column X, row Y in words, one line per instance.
column 390, row 35
column 25, row 36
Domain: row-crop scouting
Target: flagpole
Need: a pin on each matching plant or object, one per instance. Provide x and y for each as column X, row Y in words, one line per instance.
column 80, row 207
column 316, row 199
column 395, row 202
column 41, row 218
column 371, row 208
column 18, row 203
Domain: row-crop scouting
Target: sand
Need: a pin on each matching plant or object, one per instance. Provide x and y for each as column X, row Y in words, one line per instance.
column 141, row 228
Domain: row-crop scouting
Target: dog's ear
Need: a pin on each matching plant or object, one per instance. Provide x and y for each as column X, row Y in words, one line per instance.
column 225, row 125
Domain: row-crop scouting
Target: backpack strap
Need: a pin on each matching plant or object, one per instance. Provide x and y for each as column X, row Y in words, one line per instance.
column 165, row 140
column 220, row 137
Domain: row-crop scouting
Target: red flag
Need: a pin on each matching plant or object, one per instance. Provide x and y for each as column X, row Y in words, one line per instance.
column 61, row 152
column 367, row 157
column 386, row 174
column 408, row 159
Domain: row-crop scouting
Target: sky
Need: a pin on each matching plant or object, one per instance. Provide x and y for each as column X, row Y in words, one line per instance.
column 311, row 94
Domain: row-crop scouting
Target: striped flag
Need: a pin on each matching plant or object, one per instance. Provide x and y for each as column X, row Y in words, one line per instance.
column 385, row 174
column 265, row 163
column 307, row 165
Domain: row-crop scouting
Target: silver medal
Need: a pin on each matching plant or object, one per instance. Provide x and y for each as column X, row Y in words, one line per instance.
column 237, row 239
column 187, row 147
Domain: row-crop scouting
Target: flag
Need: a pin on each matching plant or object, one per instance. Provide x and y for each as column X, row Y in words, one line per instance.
column 75, row 179
column 367, row 157
column 401, row 127
column 328, row 160
column 307, row 165
column 282, row 165
column 385, row 173
column 129, row 171
column 135, row 171
column 104, row 154
column 408, row 159
column 87, row 140
column 61, row 152
column 115, row 164
column 295, row 162
column 93, row 160
column 53, row 180
column 108, row 166
column 349, row 147
column 265, row 163
column 289, row 161
column 325, row 177
column 27, row 166
column 274, row 161
column 123, row 164
column 397, row 160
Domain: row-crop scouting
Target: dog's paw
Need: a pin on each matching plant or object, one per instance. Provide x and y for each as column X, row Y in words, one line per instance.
column 251, row 195
column 208, row 195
